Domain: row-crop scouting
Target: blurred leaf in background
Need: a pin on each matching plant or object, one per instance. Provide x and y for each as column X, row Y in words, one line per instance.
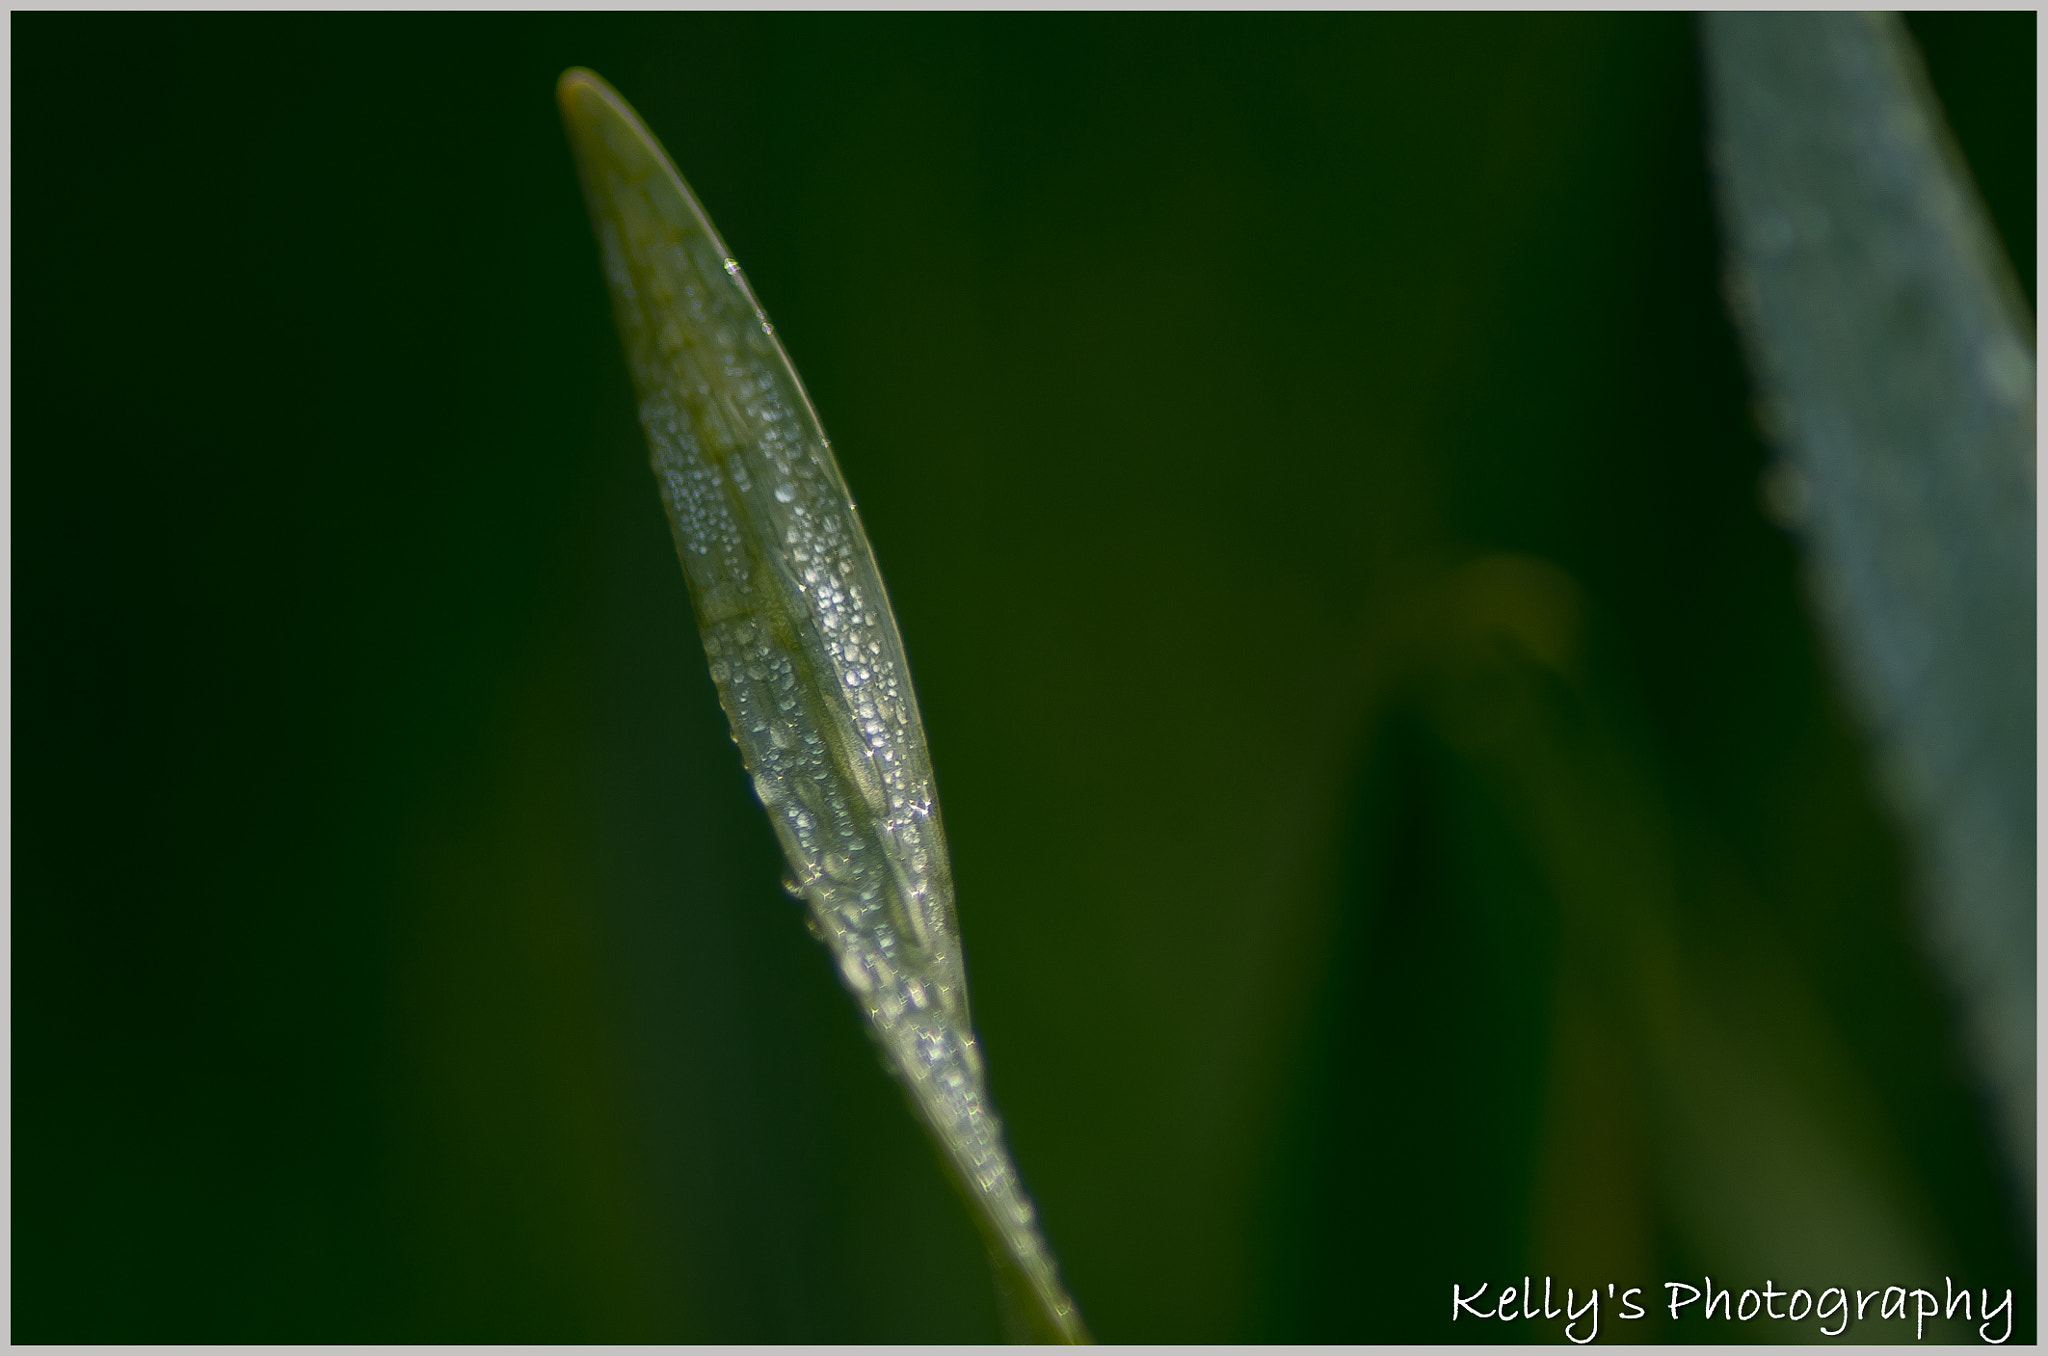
column 1893, row 354
column 1404, row 827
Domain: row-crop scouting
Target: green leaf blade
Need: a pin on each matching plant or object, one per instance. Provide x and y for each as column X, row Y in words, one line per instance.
column 1892, row 345
column 805, row 653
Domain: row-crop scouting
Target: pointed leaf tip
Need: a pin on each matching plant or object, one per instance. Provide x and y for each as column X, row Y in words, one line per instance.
column 805, row 653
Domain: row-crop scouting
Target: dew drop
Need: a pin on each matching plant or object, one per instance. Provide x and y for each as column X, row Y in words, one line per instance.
column 856, row 977
column 785, row 492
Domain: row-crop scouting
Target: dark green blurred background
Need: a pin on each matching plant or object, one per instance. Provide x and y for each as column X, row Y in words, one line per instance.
column 1406, row 826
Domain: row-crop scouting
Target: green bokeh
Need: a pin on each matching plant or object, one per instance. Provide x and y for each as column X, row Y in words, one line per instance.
column 398, row 951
